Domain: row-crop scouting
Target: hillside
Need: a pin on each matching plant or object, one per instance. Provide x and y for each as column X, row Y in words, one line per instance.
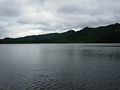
column 103, row 34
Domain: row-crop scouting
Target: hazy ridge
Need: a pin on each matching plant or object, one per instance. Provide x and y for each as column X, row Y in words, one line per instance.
column 102, row 34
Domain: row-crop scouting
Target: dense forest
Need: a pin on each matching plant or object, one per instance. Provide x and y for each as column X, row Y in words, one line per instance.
column 103, row 34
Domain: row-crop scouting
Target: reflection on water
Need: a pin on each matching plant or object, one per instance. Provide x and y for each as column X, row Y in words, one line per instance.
column 60, row 67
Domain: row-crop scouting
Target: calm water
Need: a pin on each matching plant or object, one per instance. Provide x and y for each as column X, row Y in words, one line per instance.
column 60, row 67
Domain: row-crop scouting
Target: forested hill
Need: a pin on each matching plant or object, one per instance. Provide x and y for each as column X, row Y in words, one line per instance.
column 103, row 34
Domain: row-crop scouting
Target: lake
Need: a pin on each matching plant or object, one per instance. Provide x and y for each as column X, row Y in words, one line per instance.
column 60, row 67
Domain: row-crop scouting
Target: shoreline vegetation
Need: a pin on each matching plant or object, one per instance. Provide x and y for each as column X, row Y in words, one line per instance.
column 102, row 34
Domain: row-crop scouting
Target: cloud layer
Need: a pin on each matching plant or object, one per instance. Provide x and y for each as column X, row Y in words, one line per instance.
column 28, row 17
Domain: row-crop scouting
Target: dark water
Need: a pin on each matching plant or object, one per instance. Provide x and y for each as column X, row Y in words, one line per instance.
column 60, row 67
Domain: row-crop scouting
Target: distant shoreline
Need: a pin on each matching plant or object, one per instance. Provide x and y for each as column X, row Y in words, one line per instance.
column 103, row 34
column 60, row 43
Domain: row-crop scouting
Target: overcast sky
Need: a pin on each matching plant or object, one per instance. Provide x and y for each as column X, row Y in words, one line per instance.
column 30, row 17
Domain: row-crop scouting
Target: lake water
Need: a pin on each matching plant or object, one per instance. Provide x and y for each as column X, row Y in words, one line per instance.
column 60, row 67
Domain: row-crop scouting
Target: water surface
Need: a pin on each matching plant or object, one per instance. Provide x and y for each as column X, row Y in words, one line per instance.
column 60, row 66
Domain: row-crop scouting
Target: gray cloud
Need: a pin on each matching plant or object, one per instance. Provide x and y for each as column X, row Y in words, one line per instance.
column 27, row 17
column 9, row 8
